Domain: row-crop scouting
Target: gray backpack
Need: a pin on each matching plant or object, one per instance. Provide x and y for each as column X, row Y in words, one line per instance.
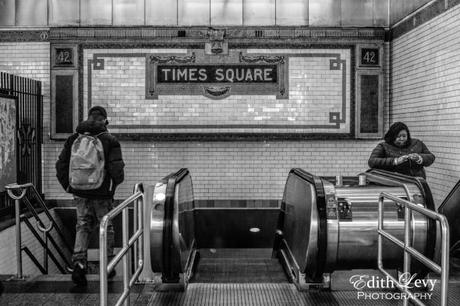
column 87, row 163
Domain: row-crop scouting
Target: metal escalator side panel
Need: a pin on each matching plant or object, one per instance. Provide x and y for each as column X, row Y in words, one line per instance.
column 156, row 226
column 172, row 226
column 171, row 255
column 184, row 224
column 450, row 208
column 304, row 223
column 162, row 195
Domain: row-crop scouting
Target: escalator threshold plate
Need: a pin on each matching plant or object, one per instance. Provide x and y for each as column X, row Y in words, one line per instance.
column 260, row 294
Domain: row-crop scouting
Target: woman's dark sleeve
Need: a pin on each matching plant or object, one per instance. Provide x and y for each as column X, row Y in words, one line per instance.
column 379, row 160
column 428, row 157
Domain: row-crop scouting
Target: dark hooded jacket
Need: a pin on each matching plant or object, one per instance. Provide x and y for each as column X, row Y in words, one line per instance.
column 384, row 155
column 113, row 162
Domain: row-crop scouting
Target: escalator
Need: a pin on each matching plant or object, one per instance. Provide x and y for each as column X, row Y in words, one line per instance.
column 210, row 245
column 326, row 226
column 300, row 253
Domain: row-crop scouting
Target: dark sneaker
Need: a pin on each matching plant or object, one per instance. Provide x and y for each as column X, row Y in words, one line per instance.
column 79, row 275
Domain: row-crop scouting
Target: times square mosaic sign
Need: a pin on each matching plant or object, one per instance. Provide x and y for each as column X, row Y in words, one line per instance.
column 255, row 92
column 182, row 75
column 217, row 74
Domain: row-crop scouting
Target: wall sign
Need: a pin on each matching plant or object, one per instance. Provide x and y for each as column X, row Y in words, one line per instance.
column 242, row 75
column 217, row 74
column 369, row 57
column 63, row 56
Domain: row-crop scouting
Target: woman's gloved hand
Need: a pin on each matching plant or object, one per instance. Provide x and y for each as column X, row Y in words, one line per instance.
column 416, row 158
column 401, row 159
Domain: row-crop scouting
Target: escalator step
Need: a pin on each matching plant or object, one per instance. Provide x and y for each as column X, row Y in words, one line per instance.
column 244, row 270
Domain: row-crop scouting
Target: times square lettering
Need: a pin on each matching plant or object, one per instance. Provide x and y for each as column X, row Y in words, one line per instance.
column 217, row 74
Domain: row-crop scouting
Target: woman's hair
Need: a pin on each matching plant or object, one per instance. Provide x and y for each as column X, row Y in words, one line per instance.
column 393, row 132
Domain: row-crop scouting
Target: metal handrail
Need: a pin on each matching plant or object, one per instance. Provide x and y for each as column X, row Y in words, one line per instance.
column 53, row 224
column 105, row 268
column 44, row 268
column 409, row 250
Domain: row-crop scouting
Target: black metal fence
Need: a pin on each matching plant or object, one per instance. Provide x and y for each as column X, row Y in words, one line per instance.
column 29, row 130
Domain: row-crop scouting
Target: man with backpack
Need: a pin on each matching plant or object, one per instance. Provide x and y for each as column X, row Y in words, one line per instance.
column 90, row 167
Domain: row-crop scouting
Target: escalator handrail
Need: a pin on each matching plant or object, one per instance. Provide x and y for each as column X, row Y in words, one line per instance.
column 168, row 275
column 447, row 198
column 418, row 181
column 322, row 227
column 450, row 215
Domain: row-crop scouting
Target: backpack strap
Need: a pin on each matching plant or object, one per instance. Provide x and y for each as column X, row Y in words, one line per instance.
column 97, row 136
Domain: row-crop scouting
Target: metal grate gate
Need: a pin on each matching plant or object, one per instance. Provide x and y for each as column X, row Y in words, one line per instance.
column 29, row 133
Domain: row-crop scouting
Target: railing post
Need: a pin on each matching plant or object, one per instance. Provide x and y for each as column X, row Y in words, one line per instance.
column 135, row 226
column 103, row 259
column 147, row 275
column 17, row 209
column 379, row 237
column 126, row 277
column 444, row 259
column 407, row 239
column 140, row 221
column 128, row 243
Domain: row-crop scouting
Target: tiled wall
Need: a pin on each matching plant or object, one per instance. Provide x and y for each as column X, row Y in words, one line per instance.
column 233, row 170
column 246, row 170
column 426, row 94
column 425, row 82
column 221, row 170
column 30, row 60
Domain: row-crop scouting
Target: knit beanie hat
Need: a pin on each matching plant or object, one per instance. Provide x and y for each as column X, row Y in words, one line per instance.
column 99, row 110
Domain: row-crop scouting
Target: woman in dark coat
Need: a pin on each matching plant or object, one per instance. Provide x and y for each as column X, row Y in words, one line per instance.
column 401, row 153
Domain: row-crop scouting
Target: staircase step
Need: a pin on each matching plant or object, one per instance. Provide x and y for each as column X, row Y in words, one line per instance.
column 66, row 278
column 61, row 283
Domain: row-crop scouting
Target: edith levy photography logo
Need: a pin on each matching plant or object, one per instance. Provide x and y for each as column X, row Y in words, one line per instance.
column 406, row 282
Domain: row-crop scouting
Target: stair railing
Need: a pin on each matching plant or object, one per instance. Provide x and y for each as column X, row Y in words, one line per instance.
column 409, row 250
column 22, row 197
column 136, row 240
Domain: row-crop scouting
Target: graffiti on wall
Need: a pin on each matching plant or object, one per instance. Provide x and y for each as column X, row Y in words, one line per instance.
column 7, row 142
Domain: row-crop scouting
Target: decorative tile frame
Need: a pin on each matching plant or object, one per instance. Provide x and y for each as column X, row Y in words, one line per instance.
column 230, row 131
column 75, row 105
